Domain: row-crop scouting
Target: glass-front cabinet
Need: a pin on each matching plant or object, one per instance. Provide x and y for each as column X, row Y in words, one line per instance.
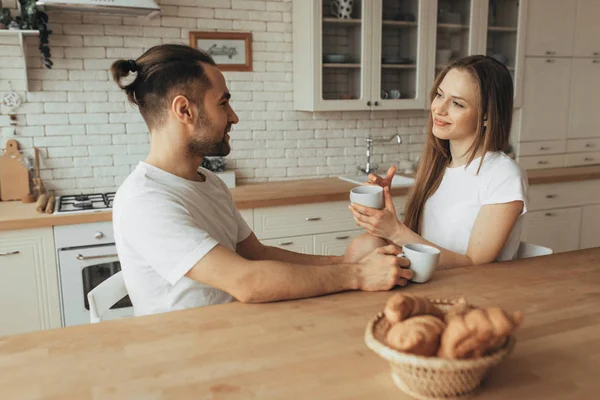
column 385, row 54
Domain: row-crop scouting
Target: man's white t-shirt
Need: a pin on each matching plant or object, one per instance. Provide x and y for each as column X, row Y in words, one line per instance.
column 164, row 225
column 450, row 213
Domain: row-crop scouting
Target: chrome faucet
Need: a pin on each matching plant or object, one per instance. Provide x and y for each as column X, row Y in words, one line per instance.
column 372, row 168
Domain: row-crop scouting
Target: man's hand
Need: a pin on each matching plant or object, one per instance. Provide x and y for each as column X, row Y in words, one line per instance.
column 382, row 270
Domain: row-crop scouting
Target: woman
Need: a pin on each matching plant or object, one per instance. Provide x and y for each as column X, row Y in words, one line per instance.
column 469, row 197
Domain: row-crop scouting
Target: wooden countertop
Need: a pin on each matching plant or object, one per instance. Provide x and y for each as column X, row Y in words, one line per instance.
column 14, row 215
column 314, row 348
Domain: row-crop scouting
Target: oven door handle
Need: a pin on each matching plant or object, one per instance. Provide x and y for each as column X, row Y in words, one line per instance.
column 83, row 258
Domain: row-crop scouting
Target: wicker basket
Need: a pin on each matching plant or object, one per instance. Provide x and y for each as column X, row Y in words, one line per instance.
column 432, row 378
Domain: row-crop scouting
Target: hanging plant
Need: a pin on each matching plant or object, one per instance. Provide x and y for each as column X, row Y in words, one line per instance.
column 32, row 18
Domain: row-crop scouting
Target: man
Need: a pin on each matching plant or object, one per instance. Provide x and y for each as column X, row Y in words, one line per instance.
column 180, row 239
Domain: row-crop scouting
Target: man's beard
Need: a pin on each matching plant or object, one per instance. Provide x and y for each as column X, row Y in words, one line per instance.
column 202, row 147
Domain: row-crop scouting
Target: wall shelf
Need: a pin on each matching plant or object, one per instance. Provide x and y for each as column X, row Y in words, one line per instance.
column 20, row 34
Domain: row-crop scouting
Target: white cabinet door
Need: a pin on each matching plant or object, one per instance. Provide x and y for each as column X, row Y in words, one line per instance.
column 545, row 99
column 584, row 118
column 550, row 28
column 334, row 244
column 590, row 227
column 557, row 229
column 299, row 244
column 29, row 293
column 587, row 30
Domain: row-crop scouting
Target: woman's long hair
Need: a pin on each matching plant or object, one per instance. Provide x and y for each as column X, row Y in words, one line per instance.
column 495, row 104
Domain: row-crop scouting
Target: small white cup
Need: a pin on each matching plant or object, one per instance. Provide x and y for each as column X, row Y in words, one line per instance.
column 424, row 260
column 395, row 94
column 370, row 196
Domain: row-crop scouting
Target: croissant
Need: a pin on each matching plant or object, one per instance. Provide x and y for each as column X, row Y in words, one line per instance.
column 478, row 332
column 417, row 335
column 401, row 306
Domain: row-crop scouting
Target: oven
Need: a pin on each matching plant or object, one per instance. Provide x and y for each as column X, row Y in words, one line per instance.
column 86, row 257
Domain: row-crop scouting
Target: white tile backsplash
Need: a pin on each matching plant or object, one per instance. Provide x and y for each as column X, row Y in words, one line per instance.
column 91, row 138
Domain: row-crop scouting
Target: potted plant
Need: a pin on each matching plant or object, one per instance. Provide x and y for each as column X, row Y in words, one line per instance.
column 32, row 18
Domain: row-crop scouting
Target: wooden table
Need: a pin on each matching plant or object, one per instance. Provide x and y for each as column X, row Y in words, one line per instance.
column 314, row 348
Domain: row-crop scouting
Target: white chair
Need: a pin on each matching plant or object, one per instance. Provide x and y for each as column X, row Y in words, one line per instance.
column 527, row 250
column 105, row 295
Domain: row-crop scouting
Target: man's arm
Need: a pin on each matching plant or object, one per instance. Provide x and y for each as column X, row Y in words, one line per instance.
column 266, row 280
column 252, row 249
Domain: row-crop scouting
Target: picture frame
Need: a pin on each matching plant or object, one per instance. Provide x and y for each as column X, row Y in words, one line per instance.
column 232, row 51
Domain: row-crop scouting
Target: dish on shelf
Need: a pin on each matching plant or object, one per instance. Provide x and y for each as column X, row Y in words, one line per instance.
column 396, row 60
column 336, row 58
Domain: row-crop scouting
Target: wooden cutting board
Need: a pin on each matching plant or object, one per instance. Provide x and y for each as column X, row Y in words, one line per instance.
column 14, row 176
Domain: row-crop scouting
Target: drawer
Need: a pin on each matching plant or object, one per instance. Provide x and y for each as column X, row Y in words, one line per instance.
column 84, row 234
column 541, row 162
column 576, row 159
column 334, row 244
column 557, row 229
column 581, row 145
column 275, row 222
column 542, row 148
column 299, row 244
column 567, row 194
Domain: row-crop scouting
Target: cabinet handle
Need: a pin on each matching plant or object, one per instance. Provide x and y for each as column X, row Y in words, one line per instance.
column 542, row 162
column 10, row 253
column 588, row 159
column 597, row 53
column 83, row 258
column 544, row 148
column 99, row 235
column 550, row 60
column 376, row 103
column 368, row 103
column 550, row 53
column 313, row 218
column 550, row 196
column 588, row 145
column 549, row 214
column 285, row 243
column 596, row 61
column 342, row 237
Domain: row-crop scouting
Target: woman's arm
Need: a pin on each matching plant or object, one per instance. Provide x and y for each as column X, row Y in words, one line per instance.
column 491, row 230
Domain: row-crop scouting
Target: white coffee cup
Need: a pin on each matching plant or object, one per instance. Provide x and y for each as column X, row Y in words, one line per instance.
column 370, row 196
column 424, row 260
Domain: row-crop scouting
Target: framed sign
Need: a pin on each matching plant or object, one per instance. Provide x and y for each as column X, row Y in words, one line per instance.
column 232, row 51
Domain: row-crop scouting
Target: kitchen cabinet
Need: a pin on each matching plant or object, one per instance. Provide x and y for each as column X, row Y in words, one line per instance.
column 587, row 29
column 545, row 99
column 386, row 55
column 347, row 64
column 563, row 216
column 557, row 229
column 590, row 227
column 334, row 244
column 584, row 118
column 299, row 244
column 29, row 292
column 551, row 28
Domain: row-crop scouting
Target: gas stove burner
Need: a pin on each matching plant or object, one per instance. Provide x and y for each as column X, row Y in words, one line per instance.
column 82, row 204
column 85, row 203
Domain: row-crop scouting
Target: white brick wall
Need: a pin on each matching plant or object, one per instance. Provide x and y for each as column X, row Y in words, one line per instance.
column 91, row 138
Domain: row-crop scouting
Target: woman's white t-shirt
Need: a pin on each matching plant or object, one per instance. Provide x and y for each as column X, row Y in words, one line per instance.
column 450, row 213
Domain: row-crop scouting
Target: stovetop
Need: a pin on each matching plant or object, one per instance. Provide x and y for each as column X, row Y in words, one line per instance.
column 81, row 203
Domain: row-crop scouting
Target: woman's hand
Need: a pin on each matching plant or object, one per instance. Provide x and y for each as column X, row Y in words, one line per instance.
column 381, row 223
column 375, row 179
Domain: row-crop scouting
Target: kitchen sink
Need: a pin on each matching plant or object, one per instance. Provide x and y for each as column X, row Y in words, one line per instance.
column 398, row 181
